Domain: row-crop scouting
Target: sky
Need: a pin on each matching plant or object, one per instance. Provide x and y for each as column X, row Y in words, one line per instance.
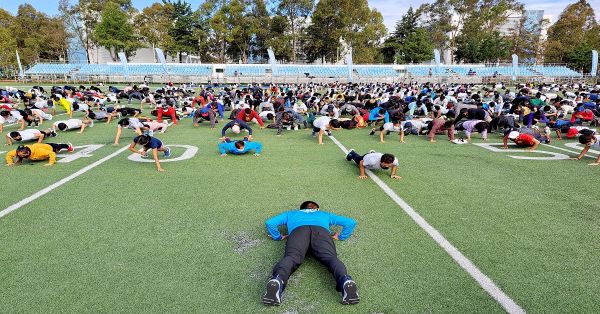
column 392, row 10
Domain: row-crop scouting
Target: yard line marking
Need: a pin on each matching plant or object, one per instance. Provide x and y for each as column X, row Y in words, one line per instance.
column 483, row 280
column 55, row 185
column 570, row 151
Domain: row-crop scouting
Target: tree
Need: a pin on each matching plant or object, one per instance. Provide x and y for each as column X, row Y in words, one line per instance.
column 280, row 41
column 81, row 19
column 404, row 27
column 575, row 28
column 115, row 32
column 183, row 29
column 339, row 24
column 486, row 47
column 7, row 50
column 416, row 47
column 153, row 24
column 296, row 12
column 37, row 36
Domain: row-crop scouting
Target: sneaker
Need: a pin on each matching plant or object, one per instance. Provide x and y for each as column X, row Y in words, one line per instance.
column 53, row 134
column 168, row 152
column 371, row 151
column 70, row 149
column 349, row 155
column 350, row 292
column 328, row 132
column 313, row 134
column 295, row 127
column 274, row 290
column 372, row 131
column 288, row 127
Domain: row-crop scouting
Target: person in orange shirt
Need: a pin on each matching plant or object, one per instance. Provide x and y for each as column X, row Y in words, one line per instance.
column 36, row 152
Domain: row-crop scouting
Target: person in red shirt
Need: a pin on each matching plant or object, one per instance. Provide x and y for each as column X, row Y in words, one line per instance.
column 247, row 115
column 168, row 111
column 200, row 100
column 583, row 114
column 521, row 139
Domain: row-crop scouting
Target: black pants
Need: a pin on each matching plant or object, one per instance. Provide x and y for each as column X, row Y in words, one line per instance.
column 58, row 147
column 316, row 241
column 356, row 157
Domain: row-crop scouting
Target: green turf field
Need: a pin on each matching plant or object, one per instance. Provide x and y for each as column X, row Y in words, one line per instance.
column 124, row 238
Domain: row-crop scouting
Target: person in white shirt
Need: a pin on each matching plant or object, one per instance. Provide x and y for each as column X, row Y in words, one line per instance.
column 373, row 161
column 28, row 135
column 72, row 124
column 12, row 116
column 324, row 125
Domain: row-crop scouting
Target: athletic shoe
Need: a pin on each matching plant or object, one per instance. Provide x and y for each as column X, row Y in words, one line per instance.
column 371, row 151
column 168, row 152
column 70, row 149
column 372, row 131
column 295, row 127
column 328, row 132
column 349, row 155
column 313, row 134
column 350, row 292
column 274, row 291
column 53, row 134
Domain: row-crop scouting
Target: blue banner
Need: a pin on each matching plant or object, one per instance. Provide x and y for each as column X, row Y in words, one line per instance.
column 515, row 67
column 123, row 59
column 349, row 64
column 272, row 62
column 594, row 62
column 161, row 58
column 21, row 73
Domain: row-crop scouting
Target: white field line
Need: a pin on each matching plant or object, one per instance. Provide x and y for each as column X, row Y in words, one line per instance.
column 483, row 280
column 57, row 184
column 570, row 151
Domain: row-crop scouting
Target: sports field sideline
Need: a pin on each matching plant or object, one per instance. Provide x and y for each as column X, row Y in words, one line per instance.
column 110, row 239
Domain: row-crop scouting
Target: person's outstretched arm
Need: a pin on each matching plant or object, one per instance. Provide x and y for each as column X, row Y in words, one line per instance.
column 118, row 136
column 347, row 224
column 273, row 226
column 156, row 161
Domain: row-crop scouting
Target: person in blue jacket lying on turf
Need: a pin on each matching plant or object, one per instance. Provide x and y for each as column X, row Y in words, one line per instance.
column 239, row 147
column 308, row 232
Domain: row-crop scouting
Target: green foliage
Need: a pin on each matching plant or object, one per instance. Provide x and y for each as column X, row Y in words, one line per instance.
column 486, row 47
column 575, row 34
column 182, row 31
column 35, row 35
column 337, row 25
column 115, row 31
column 153, row 24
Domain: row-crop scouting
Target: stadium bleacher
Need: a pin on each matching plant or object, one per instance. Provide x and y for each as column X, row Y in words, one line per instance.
column 318, row 71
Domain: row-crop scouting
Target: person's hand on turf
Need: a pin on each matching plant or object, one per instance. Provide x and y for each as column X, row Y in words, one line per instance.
column 336, row 236
column 594, row 164
column 362, row 177
column 395, row 177
column 161, row 170
column 223, row 155
column 574, row 158
column 47, row 165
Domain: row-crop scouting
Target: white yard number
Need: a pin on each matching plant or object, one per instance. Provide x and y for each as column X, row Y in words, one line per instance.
column 80, row 152
column 553, row 156
column 190, row 152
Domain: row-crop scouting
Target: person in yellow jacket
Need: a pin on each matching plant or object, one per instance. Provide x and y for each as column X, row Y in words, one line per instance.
column 63, row 103
column 35, row 152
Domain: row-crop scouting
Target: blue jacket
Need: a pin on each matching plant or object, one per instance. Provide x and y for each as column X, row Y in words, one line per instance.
column 309, row 217
column 374, row 115
column 230, row 148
